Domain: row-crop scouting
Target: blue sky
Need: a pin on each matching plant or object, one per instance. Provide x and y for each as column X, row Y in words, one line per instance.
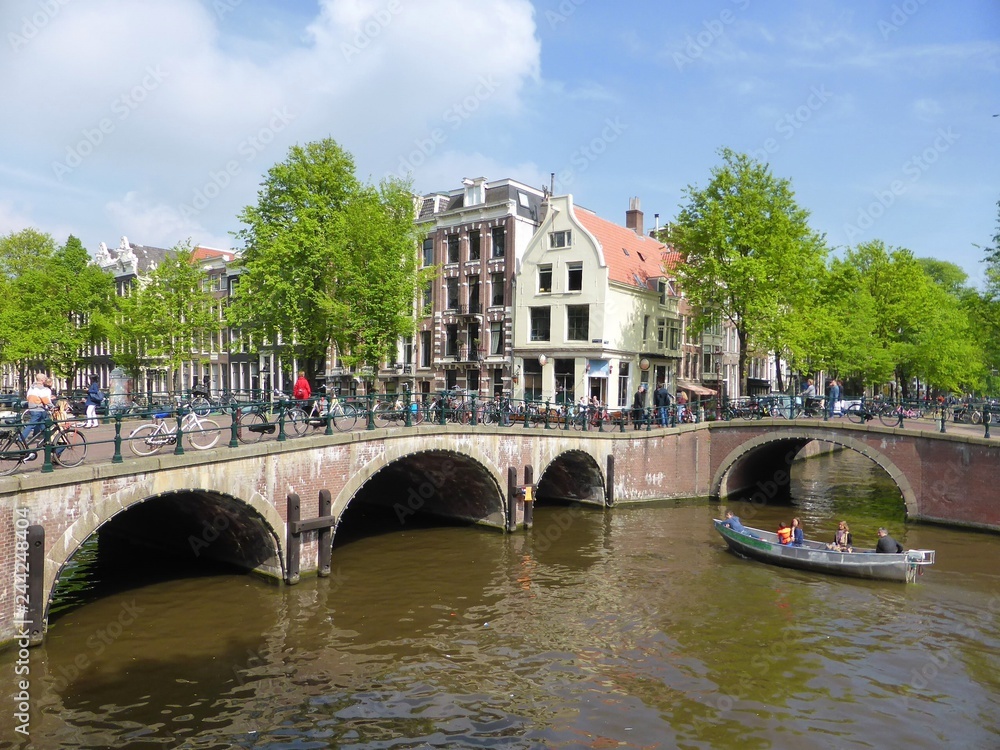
column 158, row 119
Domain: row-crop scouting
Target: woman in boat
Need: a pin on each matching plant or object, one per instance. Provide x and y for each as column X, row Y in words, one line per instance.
column 798, row 538
column 842, row 540
column 784, row 533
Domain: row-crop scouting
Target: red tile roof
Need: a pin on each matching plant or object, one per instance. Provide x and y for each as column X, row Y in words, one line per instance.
column 206, row 253
column 632, row 259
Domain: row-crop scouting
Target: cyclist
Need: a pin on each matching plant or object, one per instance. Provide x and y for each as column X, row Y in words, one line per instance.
column 39, row 402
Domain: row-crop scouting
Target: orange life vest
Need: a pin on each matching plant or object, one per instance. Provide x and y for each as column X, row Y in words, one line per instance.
column 784, row 535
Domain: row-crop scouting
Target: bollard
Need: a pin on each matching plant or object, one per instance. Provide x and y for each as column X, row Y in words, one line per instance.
column 34, row 567
column 47, row 443
column 943, row 418
column 529, row 496
column 511, row 495
column 609, row 487
column 986, row 421
column 325, row 534
column 179, row 444
column 282, row 437
column 234, row 427
column 293, row 542
column 371, row 411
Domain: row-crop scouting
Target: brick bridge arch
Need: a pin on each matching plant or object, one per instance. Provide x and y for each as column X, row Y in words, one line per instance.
column 573, row 475
column 761, row 465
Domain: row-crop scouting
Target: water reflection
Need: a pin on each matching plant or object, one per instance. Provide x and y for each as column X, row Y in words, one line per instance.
column 628, row 628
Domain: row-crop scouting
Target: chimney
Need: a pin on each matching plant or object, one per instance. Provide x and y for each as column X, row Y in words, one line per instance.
column 633, row 217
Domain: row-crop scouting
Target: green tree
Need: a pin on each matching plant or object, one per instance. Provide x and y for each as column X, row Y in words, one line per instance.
column 327, row 259
column 166, row 316
column 750, row 257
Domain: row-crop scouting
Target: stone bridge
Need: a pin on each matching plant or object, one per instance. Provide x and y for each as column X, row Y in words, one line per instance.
column 233, row 504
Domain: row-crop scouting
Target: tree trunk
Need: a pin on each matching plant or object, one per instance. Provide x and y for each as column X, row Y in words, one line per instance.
column 777, row 370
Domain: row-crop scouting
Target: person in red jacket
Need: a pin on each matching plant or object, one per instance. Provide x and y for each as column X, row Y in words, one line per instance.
column 301, row 391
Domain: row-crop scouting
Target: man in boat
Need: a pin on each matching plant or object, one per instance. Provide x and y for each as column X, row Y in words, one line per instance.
column 733, row 522
column 887, row 544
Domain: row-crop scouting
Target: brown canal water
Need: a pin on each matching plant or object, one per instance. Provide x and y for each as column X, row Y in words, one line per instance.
column 631, row 628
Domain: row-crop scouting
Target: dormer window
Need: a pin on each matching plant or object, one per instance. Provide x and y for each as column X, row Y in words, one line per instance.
column 475, row 191
column 560, row 239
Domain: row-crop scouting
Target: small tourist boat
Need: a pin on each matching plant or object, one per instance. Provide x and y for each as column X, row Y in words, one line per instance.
column 814, row 556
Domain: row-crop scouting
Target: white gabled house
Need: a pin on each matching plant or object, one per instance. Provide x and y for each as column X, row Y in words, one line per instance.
column 595, row 313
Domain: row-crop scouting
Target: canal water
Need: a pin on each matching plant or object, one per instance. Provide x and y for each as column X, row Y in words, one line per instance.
column 631, row 628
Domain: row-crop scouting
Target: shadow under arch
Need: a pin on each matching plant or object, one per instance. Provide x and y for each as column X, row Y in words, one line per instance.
column 761, row 467
column 452, row 484
column 572, row 477
column 195, row 523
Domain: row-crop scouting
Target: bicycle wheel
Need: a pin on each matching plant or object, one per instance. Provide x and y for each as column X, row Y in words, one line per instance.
column 245, row 431
column 345, row 417
column 201, row 406
column 296, row 421
column 977, row 417
column 11, row 453
column 70, row 448
column 383, row 414
column 146, row 439
column 889, row 417
column 203, row 434
column 855, row 414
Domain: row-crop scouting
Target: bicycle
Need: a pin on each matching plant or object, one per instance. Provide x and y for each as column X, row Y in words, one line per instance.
column 860, row 413
column 202, row 433
column 69, row 444
column 203, row 403
column 393, row 412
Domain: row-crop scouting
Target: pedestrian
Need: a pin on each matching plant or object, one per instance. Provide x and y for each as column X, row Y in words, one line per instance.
column 302, row 390
column 832, row 397
column 682, row 401
column 661, row 400
column 94, row 399
column 639, row 405
column 39, row 398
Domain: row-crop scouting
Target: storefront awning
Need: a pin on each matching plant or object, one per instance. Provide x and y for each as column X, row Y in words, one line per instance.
column 697, row 390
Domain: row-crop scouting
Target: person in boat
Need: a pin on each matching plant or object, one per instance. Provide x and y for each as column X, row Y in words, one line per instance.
column 733, row 522
column 887, row 544
column 842, row 541
column 784, row 533
column 798, row 538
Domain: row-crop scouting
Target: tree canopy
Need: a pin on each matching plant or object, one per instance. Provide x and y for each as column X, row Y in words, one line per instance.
column 750, row 255
column 327, row 259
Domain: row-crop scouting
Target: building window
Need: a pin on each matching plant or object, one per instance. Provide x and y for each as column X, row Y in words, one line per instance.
column 645, row 329
column 451, row 341
column 407, row 350
column 472, row 380
column 497, row 282
column 574, row 277
column 623, row 390
column 428, row 252
column 474, row 251
column 661, row 332
column 475, row 305
column 453, row 248
column 540, row 323
column 545, row 278
column 565, row 373
column 532, row 380
column 496, row 337
column 425, row 348
column 560, row 239
column 428, row 297
column 577, row 322
column 451, row 285
column 499, row 236
column 675, row 335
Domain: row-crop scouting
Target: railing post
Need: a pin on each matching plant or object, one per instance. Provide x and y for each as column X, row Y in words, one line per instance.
column 546, row 414
column 647, row 414
column 527, row 408
column 986, row 420
column 944, row 417
column 475, row 416
column 233, row 428
column 282, row 437
column 179, row 445
column 117, row 457
column 47, row 444
column 408, row 416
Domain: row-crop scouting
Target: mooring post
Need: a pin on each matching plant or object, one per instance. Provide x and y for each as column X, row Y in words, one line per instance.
column 511, row 498
column 35, row 563
column 529, row 496
column 609, row 490
column 325, row 534
column 293, row 542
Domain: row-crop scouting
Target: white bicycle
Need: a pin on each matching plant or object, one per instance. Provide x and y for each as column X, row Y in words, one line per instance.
column 201, row 433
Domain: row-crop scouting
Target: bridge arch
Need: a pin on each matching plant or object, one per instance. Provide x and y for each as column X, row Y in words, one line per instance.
column 212, row 513
column 763, row 463
column 454, row 481
column 573, row 476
